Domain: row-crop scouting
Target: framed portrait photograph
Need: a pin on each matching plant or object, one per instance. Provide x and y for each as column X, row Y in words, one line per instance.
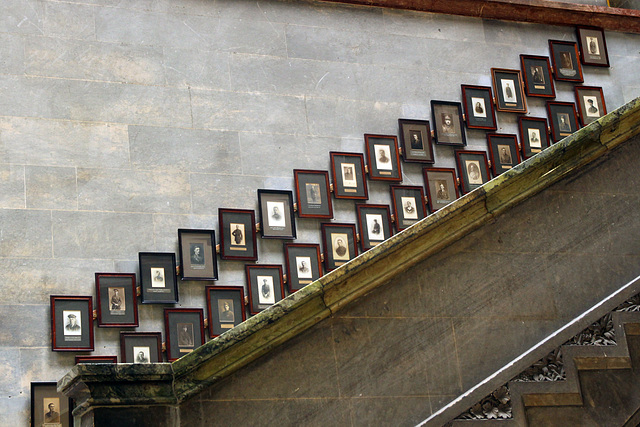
column 415, row 137
column 442, row 187
column 590, row 102
column 48, row 407
column 183, row 331
column 116, row 300
column 197, row 254
column 408, row 205
column 564, row 58
column 382, row 157
column 339, row 243
column 96, row 359
column 140, row 347
column 509, row 90
column 71, row 323
column 593, row 46
column 303, row 264
column 503, row 152
column 374, row 223
column 534, row 135
column 277, row 220
column 238, row 234
column 158, row 284
column 448, row 125
column 312, row 194
column 478, row 107
column 266, row 286
column 563, row 119
column 538, row 80
column 225, row 308
column 473, row 169
column 347, row 171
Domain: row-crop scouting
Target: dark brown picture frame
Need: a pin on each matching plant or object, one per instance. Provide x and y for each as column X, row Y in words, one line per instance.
column 504, row 152
column 43, row 395
column 303, row 264
column 564, row 58
column 442, row 187
column 538, row 79
column 448, row 123
column 234, row 245
column 158, row 279
column 415, row 137
column 590, row 102
column 183, row 331
column 336, row 254
column 562, row 118
column 593, row 46
column 509, row 90
column 225, row 308
column 107, row 360
column 277, row 220
column 313, row 194
column 534, row 135
column 473, row 168
column 478, row 107
column 408, row 205
column 263, row 295
column 383, row 158
column 116, row 300
column 71, row 323
column 374, row 223
column 198, row 260
column 141, row 347
column 349, row 179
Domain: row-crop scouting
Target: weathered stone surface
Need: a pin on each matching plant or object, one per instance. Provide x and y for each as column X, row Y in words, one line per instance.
column 25, row 233
column 23, row 327
column 12, row 186
column 69, row 20
column 22, row 17
column 51, row 187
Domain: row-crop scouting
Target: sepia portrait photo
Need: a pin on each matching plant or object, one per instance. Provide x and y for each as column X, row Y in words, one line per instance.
column 473, row 172
column 51, row 406
column 349, row 175
column 564, row 125
column 314, row 197
column 196, row 255
column 534, row 138
column 303, row 266
column 185, row 335
column 383, row 157
column 537, row 74
column 225, row 310
column 374, row 227
column 592, row 45
column 275, row 212
column 237, row 234
column 266, row 294
column 409, row 207
column 339, row 246
column 504, row 153
column 416, row 139
column 448, row 125
column 566, row 64
column 116, row 300
column 442, row 190
column 479, row 109
column 141, row 355
column 72, row 325
column 508, row 90
column 157, row 277
column 591, row 108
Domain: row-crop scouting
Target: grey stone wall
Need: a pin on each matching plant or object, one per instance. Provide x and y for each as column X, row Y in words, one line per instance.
column 122, row 121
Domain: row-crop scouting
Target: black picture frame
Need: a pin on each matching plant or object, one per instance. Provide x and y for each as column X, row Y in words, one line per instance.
column 504, row 152
column 237, row 234
column 534, row 135
column 117, row 300
column 225, row 308
column 415, row 138
column 478, row 107
column 374, row 223
column 48, row 406
column 265, row 284
column 590, row 103
column 303, row 264
column 71, row 323
column 564, row 58
column 277, row 220
column 158, row 280
column 197, row 249
column 337, row 251
column 562, row 118
column 347, row 172
column 473, row 168
column 313, row 194
column 106, row 360
column 538, row 80
column 383, row 157
column 183, row 331
column 448, row 123
column 593, row 46
column 140, row 347
column 408, row 205
column 509, row 90
column 442, row 187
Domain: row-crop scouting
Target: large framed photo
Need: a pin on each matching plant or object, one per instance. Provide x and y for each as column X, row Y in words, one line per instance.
column 158, row 278
column 197, row 254
column 415, row 136
column 49, row 408
column 339, row 243
column 225, row 308
column 564, row 57
column 71, row 323
column 473, row 169
column 238, row 234
column 374, row 223
column 442, row 187
column 590, row 102
column 277, row 220
column 117, row 300
column 184, row 331
column 593, row 47
column 303, row 264
column 108, row 360
column 312, row 194
column 448, row 125
column 382, row 157
column 266, row 286
column 478, row 107
column 408, row 205
column 348, row 176
column 537, row 76
column 140, row 347
column 534, row 135
column 563, row 119
column 509, row 90
column 503, row 152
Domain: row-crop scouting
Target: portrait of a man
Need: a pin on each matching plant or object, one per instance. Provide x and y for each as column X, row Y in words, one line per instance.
column 266, row 293
column 339, row 246
column 116, row 299
column 51, row 411
column 447, row 124
column 592, row 46
column 313, row 193
column 505, row 154
column 157, row 277
column 416, row 139
column 442, row 194
column 537, row 74
column 479, row 109
column 383, row 157
column 141, row 354
column 276, row 216
column 185, row 335
column 374, row 227
column 303, row 265
column 196, row 251
column 225, row 310
column 508, row 90
column 563, row 122
column 237, row 234
column 566, row 65
column 591, row 106
column 349, row 175
column 473, row 172
column 409, row 207
column 73, row 324
column 534, row 138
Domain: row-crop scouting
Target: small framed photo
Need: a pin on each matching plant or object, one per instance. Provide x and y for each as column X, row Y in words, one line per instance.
column 108, row 360
column 503, row 152
column 277, row 220
column 563, row 119
column 564, row 57
column 374, row 223
column 71, row 323
column 415, row 136
column 448, row 125
column 537, row 76
column 238, row 234
column 590, row 102
column 303, row 264
column 197, row 254
column 225, row 308
column 140, row 347
column 509, row 90
column 478, row 107
column 382, row 157
column 312, row 194
column 534, row 135
column 158, row 277
column 473, row 168
column 593, row 46
column 49, row 408
column 117, row 300
column 339, row 243
column 408, row 205
column 348, row 176
column 442, row 187
column 184, row 331
column 266, row 286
